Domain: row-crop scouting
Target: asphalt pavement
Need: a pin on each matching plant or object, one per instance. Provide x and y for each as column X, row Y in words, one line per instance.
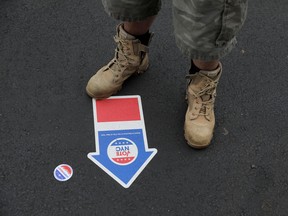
column 48, row 51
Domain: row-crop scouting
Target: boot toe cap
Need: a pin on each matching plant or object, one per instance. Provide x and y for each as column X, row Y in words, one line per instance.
column 198, row 136
column 100, row 86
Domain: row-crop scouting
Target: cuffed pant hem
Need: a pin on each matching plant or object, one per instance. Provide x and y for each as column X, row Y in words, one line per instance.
column 214, row 54
column 131, row 19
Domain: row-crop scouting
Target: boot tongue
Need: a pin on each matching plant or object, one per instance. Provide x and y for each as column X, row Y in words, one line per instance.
column 122, row 34
column 211, row 75
column 199, row 82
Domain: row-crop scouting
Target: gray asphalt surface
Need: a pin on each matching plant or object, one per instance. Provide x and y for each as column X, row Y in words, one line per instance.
column 48, row 51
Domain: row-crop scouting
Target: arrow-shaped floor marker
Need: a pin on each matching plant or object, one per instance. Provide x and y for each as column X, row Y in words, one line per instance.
column 120, row 136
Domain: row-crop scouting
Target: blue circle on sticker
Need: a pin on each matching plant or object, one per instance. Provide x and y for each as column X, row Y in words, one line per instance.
column 63, row 172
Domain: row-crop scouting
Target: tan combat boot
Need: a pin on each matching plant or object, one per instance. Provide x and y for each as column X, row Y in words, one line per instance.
column 130, row 57
column 200, row 119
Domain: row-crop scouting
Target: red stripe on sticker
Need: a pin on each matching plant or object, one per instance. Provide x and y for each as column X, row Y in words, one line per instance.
column 67, row 169
column 118, row 109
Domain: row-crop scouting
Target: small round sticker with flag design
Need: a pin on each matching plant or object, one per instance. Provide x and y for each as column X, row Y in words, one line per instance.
column 63, row 172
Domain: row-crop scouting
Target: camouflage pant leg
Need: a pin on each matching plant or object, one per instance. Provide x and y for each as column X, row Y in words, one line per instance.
column 131, row 10
column 206, row 29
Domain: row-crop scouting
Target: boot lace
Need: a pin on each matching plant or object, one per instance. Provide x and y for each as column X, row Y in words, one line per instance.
column 121, row 58
column 206, row 93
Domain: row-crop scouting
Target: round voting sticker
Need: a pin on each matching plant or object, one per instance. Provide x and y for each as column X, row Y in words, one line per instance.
column 63, row 172
column 122, row 151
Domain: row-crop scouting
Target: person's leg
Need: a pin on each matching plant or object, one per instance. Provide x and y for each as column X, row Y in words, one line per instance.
column 205, row 31
column 140, row 27
column 132, row 39
column 205, row 65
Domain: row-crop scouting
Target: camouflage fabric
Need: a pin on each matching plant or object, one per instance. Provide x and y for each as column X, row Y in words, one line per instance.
column 204, row 29
column 131, row 10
